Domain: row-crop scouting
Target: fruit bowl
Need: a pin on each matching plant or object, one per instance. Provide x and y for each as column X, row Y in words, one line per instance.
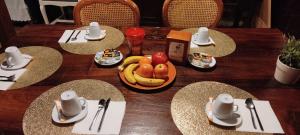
column 171, row 77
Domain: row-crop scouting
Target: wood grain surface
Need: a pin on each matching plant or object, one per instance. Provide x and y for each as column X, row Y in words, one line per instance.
column 251, row 67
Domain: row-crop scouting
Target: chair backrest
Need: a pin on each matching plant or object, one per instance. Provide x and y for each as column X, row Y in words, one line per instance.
column 107, row 12
column 192, row 13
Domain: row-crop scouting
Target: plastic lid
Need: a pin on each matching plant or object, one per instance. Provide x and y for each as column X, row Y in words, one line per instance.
column 135, row 32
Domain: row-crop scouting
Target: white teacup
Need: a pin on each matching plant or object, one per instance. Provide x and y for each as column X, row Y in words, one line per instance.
column 223, row 106
column 71, row 104
column 202, row 35
column 13, row 56
column 94, row 29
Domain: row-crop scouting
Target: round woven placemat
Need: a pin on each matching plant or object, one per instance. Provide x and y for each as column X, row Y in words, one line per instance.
column 44, row 63
column 224, row 45
column 37, row 118
column 113, row 39
column 188, row 107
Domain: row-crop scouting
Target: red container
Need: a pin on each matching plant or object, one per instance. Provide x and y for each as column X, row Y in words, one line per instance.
column 135, row 38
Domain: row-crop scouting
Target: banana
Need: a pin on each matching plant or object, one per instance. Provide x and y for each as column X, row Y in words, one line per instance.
column 128, row 73
column 129, row 60
column 148, row 81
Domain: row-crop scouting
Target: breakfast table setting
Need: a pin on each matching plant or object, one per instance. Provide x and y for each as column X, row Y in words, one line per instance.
column 99, row 79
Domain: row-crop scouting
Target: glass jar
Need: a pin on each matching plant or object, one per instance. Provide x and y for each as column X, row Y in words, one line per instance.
column 135, row 37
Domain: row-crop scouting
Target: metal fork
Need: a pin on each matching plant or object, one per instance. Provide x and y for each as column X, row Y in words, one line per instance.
column 101, row 105
column 75, row 38
column 8, row 78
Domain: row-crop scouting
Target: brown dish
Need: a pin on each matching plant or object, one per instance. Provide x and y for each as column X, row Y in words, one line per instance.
column 171, row 75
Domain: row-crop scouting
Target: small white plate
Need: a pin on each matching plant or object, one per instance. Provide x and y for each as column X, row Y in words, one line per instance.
column 75, row 118
column 27, row 59
column 234, row 121
column 199, row 43
column 102, row 35
column 107, row 62
column 201, row 64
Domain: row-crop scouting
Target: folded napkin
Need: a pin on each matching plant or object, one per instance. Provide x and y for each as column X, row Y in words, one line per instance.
column 67, row 34
column 112, row 121
column 266, row 115
column 5, row 85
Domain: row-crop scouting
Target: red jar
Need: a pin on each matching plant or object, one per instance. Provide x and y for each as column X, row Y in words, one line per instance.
column 135, row 38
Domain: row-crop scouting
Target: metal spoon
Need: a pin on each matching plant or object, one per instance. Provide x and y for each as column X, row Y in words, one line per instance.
column 250, row 106
column 101, row 105
column 250, row 103
column 59, row 111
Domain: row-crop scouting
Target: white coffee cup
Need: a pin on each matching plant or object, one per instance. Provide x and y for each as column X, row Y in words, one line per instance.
column 13, row 56
column 223, row 106
column 71, row 104
column 202, row 35
column 94, row 29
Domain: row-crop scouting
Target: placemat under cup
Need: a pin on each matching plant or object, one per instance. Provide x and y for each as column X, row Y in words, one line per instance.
column 44, row 63
column 37, row 118
column 224, row 45
column 113, row 39
column 188, row 108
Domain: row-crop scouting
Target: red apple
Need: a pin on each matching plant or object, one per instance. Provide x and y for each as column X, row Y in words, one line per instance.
column 159, row 58
column 161, row 71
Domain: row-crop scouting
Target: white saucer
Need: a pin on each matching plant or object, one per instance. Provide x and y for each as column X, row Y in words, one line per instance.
column 27, row 59
column 201, row 64
column 200, row 43
column 75, row 118
column 236, row 118
column 102, row 35
column 109, row 61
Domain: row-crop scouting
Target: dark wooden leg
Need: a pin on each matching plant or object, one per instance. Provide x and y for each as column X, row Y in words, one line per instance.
column 7, row 30
column 237, row 16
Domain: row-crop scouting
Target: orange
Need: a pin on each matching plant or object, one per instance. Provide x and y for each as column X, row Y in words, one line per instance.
column 145, row 60
column 145, row 70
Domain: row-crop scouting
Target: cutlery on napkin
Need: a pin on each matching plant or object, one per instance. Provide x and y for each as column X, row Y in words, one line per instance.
column 111, row 122
column 69, row 38
column 104, row 114
column 5, row 85
column 68, row 35
column 266, row 114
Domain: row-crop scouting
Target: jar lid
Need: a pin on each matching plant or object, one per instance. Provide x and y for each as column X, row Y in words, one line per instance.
column 135, row 32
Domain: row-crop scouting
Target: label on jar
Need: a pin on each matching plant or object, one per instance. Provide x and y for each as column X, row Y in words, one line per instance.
column 176, row 51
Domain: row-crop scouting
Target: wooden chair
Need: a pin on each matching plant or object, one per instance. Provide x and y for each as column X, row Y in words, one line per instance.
column 192, row 13
column 107, row 12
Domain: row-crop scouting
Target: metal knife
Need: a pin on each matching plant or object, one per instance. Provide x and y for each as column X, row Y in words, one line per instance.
column 70, row 36
column 259, row 122
column 103, row 115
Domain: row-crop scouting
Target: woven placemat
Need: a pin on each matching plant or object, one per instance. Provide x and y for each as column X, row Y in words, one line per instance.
column 224, row 45
column 44, row 63
column 188, row 107
column 113, row 39
column 37, row 118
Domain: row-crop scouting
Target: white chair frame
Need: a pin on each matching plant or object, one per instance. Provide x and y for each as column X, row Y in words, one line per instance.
column 60, row 4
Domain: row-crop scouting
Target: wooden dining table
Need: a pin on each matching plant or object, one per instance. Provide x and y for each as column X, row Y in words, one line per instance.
column 250, row 67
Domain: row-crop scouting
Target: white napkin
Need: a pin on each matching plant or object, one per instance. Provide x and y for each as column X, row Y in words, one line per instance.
column 6, row 85
column 112, row 121
column 266, row 115
column 67, row 34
